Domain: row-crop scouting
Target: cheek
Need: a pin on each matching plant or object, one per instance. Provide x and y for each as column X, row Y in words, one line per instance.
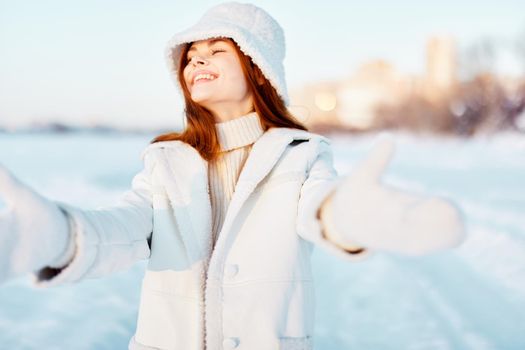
column 235, row 75
column 186, row 75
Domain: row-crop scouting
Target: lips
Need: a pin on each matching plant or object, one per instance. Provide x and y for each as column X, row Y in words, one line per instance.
column 202, row 76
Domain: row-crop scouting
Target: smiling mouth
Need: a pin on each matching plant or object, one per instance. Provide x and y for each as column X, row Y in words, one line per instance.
column 204, row 78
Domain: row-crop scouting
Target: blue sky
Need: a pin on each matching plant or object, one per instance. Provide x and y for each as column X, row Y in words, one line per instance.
column 102, row 61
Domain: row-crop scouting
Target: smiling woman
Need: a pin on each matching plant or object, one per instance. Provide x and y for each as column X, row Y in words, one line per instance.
column 228, row 211
column 239, row 87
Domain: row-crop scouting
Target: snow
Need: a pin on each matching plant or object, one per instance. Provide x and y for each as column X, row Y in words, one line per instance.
column 471, row 297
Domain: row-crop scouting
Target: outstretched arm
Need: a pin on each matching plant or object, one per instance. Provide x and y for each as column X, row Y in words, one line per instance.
column 362, row 210
column 59, row 242
column 358, row 214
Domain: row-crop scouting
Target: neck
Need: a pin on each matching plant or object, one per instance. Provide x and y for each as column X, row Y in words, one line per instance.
column 224, row 113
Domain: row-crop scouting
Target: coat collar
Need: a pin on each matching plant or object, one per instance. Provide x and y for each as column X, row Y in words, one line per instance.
column 263, row 156
column 265, row 152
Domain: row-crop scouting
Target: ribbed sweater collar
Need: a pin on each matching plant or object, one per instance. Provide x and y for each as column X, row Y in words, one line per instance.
column 239, row 132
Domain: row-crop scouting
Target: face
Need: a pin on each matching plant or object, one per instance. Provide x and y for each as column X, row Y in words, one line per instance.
column 215, row 79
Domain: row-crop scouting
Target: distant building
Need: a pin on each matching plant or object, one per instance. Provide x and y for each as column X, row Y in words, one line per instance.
column 375, row 84
column 353, row 102
column 441, row 67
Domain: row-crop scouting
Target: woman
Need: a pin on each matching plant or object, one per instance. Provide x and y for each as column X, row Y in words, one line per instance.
column 227, row 212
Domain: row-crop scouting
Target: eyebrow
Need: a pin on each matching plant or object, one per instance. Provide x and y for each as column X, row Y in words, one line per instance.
column 211, row 42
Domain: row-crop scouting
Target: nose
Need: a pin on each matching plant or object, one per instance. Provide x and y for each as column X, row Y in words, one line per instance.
column 196, row 60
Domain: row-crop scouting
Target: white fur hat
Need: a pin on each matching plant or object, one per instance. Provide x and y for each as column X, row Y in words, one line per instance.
column 253, row 29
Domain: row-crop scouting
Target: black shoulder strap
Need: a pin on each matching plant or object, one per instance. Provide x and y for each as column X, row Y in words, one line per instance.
column 297, row 142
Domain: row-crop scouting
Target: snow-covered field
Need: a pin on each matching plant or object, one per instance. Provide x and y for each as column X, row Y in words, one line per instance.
column 472, row 297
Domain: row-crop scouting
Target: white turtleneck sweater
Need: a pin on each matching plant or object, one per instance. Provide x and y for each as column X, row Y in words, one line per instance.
column 236, row 138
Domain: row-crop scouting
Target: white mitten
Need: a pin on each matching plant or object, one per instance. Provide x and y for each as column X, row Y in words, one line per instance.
column 34, row 231
column 362, row 212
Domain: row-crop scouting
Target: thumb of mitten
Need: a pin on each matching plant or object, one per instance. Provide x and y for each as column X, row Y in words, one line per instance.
column 365, row 178
column 374, row 165
column 13, row 191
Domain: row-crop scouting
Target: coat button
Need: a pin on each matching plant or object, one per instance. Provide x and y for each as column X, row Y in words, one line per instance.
column 230, row 343
column 231, row 270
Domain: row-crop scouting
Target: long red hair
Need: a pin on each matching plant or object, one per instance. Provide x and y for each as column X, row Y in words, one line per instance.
column 200, row 130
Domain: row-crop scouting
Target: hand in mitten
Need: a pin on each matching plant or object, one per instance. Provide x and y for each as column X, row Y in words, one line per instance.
column 34, row 232
column 365, row 213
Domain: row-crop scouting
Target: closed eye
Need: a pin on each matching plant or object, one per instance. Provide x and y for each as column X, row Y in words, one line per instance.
column 213, row 52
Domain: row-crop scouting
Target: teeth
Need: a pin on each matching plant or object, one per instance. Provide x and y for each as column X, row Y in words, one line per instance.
column 204, row 76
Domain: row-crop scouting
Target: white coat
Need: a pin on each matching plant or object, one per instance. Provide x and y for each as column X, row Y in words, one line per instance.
column 254, row 290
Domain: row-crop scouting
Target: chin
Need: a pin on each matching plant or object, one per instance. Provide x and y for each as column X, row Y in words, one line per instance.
column 203, row 102
column 200, row 98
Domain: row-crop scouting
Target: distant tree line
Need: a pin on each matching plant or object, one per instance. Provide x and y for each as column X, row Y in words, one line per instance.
column 480, row 105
